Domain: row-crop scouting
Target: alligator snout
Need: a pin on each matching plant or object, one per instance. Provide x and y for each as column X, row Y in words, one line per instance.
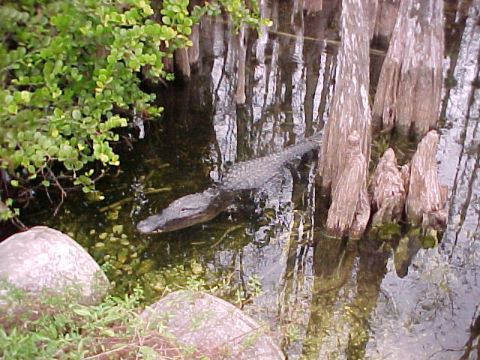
column 150, row 225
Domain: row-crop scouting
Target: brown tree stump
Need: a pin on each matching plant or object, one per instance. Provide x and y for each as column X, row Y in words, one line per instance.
column 426, row 197
column 387, row 190
column 350, row 209
column 350, row 108
column 409, row 90
column 346, row 143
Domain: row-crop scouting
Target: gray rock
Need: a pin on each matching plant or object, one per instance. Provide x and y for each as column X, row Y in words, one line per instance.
column 212, row 327
column 43, row 260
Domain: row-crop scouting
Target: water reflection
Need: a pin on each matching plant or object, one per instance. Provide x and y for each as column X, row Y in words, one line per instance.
column 334, row 300
column 437, row 300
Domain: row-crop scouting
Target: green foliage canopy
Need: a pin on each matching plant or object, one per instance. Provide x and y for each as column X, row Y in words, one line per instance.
column 70, row 69
column 65, row 67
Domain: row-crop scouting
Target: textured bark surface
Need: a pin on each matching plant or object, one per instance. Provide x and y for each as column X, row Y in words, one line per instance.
column 426, row 197
column 168, row 63
column 313, row 6
column 372, row 9
column 350, row 209
column 350, row 109
column 409, row 90
column 405, row 170
column 182, row 64
column 242, row 54
column 387, row 190
column 346, row 146
column 386, row 17
column 194, row 50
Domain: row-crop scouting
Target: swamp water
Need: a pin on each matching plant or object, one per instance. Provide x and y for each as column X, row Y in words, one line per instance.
column 322, row 298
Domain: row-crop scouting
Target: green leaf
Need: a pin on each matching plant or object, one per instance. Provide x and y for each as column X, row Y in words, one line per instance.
column 108, row 332
column 76, row 114
column 166, row 20
column 81, row 311
column 148, row 353
column 26, row 96
column 12, row 108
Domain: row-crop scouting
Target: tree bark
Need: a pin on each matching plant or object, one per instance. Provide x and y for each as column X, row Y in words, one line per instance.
column 409, row 90
column 387, row 190
column 350, row 109
column 426, row 197
column 350, row 209
column 182, row 64
column 346, row 146
column 372, row 10
column 194, row 50
column 385, row 20
column 241, row 59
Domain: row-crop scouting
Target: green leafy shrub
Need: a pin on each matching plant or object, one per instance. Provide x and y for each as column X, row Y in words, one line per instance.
column 71, row 69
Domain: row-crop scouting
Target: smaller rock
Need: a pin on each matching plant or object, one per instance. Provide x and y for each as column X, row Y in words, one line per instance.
column 44, row 260
column 214, row 328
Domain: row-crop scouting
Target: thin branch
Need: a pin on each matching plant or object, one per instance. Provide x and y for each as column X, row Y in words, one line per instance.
column 107, row 352
column 63, row 194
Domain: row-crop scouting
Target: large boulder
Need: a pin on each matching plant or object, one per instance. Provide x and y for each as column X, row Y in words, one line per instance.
column 43, row 260
column 211, row 327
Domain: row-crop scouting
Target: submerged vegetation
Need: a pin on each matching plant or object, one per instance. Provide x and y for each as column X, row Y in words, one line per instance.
column 71, row 74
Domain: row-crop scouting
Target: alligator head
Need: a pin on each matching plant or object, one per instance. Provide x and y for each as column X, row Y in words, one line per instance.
column 187, row 211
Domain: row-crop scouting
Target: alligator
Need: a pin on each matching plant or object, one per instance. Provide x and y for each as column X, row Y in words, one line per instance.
column 247, row 175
